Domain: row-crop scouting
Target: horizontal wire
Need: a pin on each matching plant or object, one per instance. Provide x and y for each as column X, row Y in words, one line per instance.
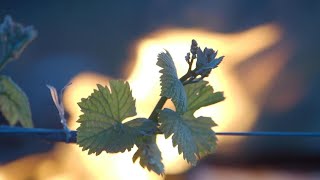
column 59, row 135
column 270, row 133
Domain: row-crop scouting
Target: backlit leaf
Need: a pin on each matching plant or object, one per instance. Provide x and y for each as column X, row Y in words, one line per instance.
column 101, row 127
column 171, row 87
column 201, row 94
column 194, row 136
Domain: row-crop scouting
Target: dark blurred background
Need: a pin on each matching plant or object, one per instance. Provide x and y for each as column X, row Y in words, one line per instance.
column 98, row 36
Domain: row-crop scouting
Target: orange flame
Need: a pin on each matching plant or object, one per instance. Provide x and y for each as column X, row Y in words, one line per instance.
column 236, row 113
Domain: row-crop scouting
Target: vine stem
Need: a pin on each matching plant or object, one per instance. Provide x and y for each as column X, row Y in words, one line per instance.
column 163, row 99
column 4, row 61
column 59, row 135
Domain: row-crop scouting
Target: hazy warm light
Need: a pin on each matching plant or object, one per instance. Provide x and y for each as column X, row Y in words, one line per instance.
column 237, row 113
column 240, row 109
column 105, row 166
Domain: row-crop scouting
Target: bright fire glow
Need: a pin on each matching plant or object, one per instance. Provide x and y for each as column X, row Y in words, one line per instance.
column 236, row 113
column 236, row 47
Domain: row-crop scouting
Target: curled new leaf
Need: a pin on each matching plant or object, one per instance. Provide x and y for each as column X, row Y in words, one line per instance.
column 101, row 127
column 14, row 104
column 57, row 100
column 150, row 156
column 206, row 59
column 171, row 87
column 15, row 38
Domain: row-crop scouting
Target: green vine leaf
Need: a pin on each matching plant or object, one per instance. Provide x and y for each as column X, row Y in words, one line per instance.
column 193, row 136
column 201, row 94
column 14, row 104
column 101, row 127
column 150, row 156
column 171, row 87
